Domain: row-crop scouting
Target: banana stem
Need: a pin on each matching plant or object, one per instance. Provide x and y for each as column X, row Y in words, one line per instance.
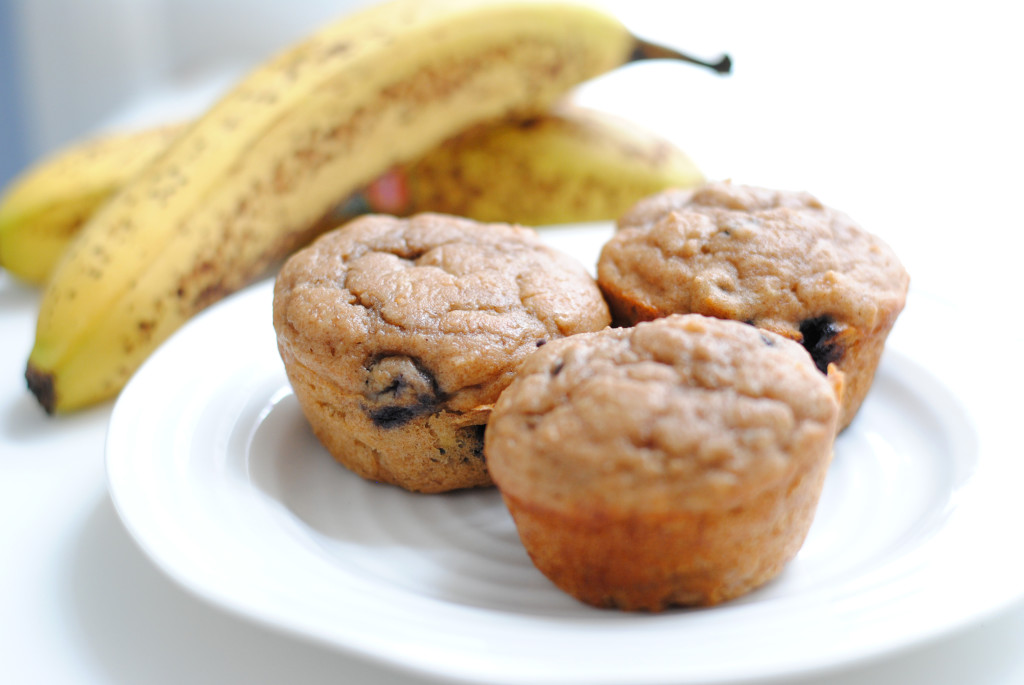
column 645, row 50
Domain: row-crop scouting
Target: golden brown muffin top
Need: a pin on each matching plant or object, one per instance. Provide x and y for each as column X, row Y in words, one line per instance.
column 773, row 258
column 434, row 308
column 684, row 412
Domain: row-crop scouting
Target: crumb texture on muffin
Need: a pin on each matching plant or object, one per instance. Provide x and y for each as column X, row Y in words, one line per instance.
column 779, row 260
column 398, row 335
column 676, row 462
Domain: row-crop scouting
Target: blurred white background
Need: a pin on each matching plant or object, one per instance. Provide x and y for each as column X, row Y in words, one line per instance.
column 68, row 67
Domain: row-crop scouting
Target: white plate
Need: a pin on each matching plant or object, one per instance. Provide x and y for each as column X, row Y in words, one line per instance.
column 214, row 472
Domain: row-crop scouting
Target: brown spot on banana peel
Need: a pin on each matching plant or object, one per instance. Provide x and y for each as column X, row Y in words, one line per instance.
column 208, row 281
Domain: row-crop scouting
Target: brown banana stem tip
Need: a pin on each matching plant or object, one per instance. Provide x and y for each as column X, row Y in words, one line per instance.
column 41, row 385
column 645, row 50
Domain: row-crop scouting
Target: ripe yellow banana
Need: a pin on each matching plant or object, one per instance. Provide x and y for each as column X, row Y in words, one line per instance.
column 250, row 180
column 568, row 165
column 45, row 207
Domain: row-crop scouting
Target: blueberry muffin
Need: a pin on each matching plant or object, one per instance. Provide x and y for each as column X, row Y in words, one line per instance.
column 677, row 462
column 778, row 260
column 398, row 336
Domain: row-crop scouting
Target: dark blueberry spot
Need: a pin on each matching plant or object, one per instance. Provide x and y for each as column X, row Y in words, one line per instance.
column 557, row 368
column 391, row 417
column 819, row 338
column 767, row 341
column 398, row 389
column 541, row 342
column 476, row 436
column 398, row 377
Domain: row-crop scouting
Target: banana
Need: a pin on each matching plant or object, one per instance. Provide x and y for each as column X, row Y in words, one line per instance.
column 251, row 180
column 45, row 207
column 568, row 165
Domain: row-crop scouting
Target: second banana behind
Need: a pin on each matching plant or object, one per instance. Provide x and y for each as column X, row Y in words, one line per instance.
column 564, row 166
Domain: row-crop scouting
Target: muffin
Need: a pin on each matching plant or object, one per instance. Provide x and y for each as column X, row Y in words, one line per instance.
column 677, row 462
column 778, row 260
column 397, row 337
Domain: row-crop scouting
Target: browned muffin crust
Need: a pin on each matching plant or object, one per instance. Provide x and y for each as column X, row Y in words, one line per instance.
column 398, row 335
column 779, row 260
column 677, row 462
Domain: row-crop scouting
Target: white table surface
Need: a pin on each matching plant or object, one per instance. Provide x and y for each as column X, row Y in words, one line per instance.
column 906, row 116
